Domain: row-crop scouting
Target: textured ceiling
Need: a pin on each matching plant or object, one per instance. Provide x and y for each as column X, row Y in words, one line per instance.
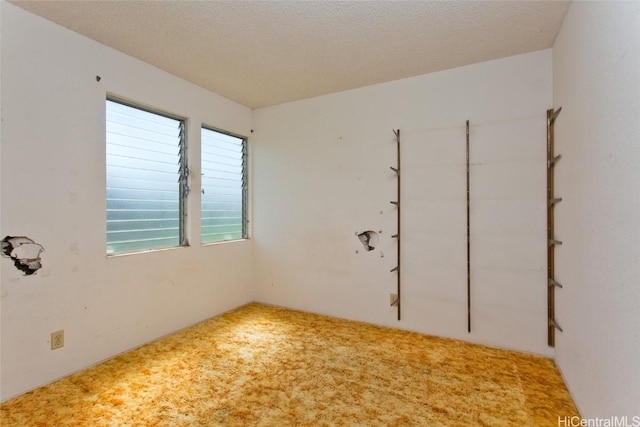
column 261, row 53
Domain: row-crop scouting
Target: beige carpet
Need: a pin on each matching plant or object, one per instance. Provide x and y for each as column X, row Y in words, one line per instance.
column 265, row 366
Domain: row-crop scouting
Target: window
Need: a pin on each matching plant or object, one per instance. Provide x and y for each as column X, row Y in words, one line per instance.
column 146, row 179
column 224, row 187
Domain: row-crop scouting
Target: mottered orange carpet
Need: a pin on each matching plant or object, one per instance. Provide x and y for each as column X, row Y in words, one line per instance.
column 265, row 366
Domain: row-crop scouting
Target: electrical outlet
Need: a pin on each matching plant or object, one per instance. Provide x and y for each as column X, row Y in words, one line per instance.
column 393, row 300
column 57, row 339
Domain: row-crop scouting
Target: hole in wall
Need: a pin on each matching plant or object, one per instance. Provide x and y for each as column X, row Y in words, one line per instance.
column 24, row 252
column 369, row 239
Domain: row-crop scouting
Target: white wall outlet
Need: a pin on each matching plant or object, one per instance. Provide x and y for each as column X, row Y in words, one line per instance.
column 57, row 339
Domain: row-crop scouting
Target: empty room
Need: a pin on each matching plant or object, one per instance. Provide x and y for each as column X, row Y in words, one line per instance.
column 320, row 213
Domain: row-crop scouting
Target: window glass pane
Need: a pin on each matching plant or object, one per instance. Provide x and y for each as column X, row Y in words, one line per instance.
column 143, row 171
column 223, row 187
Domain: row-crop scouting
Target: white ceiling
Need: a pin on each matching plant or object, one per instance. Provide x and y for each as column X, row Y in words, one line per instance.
column 262, row 53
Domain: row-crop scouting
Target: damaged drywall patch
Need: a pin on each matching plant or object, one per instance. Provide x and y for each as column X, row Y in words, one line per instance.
column 24, row 252
column 369, row 239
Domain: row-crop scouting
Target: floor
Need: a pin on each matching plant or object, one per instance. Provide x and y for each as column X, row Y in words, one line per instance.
column 266, row 366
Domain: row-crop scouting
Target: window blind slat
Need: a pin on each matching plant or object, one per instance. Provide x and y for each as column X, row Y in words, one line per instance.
column 223, row 181
column 143, row 169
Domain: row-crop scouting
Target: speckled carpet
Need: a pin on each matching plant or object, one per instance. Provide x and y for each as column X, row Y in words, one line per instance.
column 265, row 366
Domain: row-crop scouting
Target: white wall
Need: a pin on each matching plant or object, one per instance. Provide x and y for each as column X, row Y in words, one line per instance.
column 322, row 174
column 321, row 169
column 596, row 75
column 53, row 191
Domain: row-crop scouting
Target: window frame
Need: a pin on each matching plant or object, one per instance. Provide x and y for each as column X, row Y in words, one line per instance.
column 183, row 173
column 245, row 183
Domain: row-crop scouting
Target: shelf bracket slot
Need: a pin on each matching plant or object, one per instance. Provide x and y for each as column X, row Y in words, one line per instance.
column 553, row 202
column 553, row 282
column 554, row 324
column 553, row 161
column 553, row 242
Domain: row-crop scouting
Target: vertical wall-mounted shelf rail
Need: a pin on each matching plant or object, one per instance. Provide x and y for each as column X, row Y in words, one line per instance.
column 396, row 202
column 552, row 201
column 468, row 238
